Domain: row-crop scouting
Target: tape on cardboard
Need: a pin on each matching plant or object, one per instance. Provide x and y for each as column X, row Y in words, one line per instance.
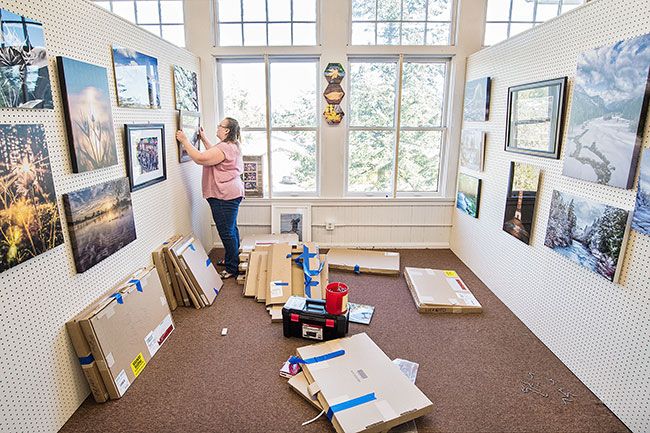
column 87, row 360
column 316, row 359
column 385, row 409
column 349, row 404
column 118, row 297
column 138, row 284
column 208, row 262
column 313, row 389
column 192, row 247
column 357, row 270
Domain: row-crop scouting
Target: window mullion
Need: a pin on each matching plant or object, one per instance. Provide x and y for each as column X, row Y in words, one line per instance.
column 267, row 84
column 398, row 114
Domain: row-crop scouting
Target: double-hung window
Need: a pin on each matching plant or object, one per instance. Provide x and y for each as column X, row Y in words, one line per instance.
column 397, row 129
column 275, row 100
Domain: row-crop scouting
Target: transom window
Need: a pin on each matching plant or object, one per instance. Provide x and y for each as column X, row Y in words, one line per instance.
column 397, row 129
column 402, row 22
column 506, row 18
column 164, row 18
column 266, row 22
column 279, row 116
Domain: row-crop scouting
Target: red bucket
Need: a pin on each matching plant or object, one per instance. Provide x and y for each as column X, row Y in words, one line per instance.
column 336, row 298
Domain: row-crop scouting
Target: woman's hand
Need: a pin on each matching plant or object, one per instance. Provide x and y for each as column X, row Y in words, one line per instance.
column 202, row 135
column 180, row 136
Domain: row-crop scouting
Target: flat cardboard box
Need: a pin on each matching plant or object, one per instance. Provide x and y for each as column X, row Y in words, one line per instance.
column 126, row 330
column 160, row 263
column 182, row 274
column 324, row 275
column 363, row 370
column 250, row 242
column 263, row 275
column 298, row 274
column 198, row 267
column 250, row 285
column 440, row 291
column 182, row 297
column 278, row 289
column 364, row 261
column 299, row 384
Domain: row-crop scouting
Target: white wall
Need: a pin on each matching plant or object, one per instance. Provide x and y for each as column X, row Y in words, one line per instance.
column 426, row 227
column 597, row 328
column 41, row 383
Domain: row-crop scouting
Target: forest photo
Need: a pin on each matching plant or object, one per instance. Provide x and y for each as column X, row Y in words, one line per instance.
column 469, row 194
column 29, row 217
column 588, row 233
column 186, row 89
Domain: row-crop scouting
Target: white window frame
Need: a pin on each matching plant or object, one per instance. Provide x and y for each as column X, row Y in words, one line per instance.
column 269, row 128
column 400, row 59
column 452, row 27
column 217, row 29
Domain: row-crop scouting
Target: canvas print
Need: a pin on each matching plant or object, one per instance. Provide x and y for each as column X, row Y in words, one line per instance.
column 253, row 176
column 476, row 105
column 520, row 200
column 334, row 94
column 334, row 73
column 100, row 221
column 190, row 123
column 608, row 113
column 87, row 109
column 292, row 219
column 333, row 114
column 24, row 75
column 469, row 194
column 145, row 155
column 641, row 216
column 29, row 217
column 186, row 89
column 472, row 148
column 588, row 233
column 136, row 79
column 535, row 118
column 360, row 313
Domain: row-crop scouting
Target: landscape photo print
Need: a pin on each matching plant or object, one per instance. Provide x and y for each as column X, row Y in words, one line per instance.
column 136, row 79
column 608, row 112
column 641, row 216
column 468, row 197
column 520, row 200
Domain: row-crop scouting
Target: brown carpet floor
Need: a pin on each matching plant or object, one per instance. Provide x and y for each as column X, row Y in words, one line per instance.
column 473, row 368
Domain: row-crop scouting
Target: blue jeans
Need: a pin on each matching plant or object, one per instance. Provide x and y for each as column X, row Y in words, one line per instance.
column 224, row 213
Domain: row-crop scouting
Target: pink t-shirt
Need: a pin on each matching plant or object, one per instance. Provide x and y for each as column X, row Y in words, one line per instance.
column 223, row 180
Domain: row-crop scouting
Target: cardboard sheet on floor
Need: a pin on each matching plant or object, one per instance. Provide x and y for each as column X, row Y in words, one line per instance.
column 250, row 242
column 299, row 384
column 127, row 328
column 278, row 289
column 361, row 388
column 200, row 270
column 440, row 291
column 364, row 261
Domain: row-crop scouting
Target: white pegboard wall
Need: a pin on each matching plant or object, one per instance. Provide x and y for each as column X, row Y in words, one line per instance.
column 600, row 330
column 41, row 384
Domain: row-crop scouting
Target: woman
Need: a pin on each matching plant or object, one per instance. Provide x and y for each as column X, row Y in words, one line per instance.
column 222, row 185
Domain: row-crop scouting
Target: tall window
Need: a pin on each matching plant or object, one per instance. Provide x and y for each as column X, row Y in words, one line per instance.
column 291, row 132
column 163, row 18
column 266, row 22
column 506, row 18
column 402, row 22
column 397, row 126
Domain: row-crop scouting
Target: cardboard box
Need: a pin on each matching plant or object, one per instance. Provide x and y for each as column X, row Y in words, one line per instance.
column 363, row 374
column 364, row 261
column 165, row 275
column 179, row 291
column 299, row 384
column 278, row 289
column 250, row 285
column 187, row 287
column 440, row 291
column 250, row 242
column 126, row 329
column 262, row 276
column 198, row 268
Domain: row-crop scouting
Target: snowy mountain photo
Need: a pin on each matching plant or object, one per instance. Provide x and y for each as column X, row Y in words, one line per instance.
column 641, row 217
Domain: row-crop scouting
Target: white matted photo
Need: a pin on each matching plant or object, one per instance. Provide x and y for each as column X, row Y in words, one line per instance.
column 292, row 219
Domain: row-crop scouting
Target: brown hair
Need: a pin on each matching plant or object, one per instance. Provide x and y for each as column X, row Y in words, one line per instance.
column 234, row 132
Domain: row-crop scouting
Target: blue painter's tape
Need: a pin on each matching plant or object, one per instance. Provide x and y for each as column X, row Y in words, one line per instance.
column 356, row 269
column 281, row 283
column 192, row 247
column 87, row 360
column 289, row 256
column 118, row 296
column 321, row 358
column 350, row 404
column 138, row 284
column 216, row 292
column 208, row 262
column 165, row 243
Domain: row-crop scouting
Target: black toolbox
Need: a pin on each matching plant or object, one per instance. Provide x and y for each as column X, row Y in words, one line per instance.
column 307, row 318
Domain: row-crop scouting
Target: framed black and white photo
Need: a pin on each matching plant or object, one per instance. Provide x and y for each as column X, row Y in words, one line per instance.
column 535, row 118
column 476, row 105
column 292, row 219
column 145, row 155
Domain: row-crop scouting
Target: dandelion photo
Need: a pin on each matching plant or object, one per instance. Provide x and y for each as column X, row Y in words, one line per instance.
column 29, row 217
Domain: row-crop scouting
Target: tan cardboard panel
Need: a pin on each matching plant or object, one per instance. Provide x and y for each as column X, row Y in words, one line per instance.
column 250, row 285
column 262, row 276
column 182, row 273
column 201, row 271
column 365, row 261
column 88, row 363
column 276, row 313
column 251, row 242
column 299, row 384
column 278, row 289
column 297, row 280
column 363, row 370
column 181, row 296
column 440, row 291
column 161, row 266
column 324, row 275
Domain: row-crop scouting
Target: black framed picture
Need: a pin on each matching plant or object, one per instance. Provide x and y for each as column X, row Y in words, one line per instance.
column 476, row 103
column 145, row 155
column 535, row 118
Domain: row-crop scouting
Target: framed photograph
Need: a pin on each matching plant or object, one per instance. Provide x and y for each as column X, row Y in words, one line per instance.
column 87, row 110
column 608, row 113
column 29, row 216
column 468, row 196
column 535, row 118
column 24, row 74
column 145, row 155
column 253, row 176
column 520, row 200
column 476, row 105
column 588, row 233
column 641, row 217
column 190, row 123
column 472, row 149
column 136, row 79
column 186, row 89
column 292, row 219
column 334, row 94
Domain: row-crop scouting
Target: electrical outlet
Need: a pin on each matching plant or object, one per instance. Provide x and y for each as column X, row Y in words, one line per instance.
column 329, row 225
